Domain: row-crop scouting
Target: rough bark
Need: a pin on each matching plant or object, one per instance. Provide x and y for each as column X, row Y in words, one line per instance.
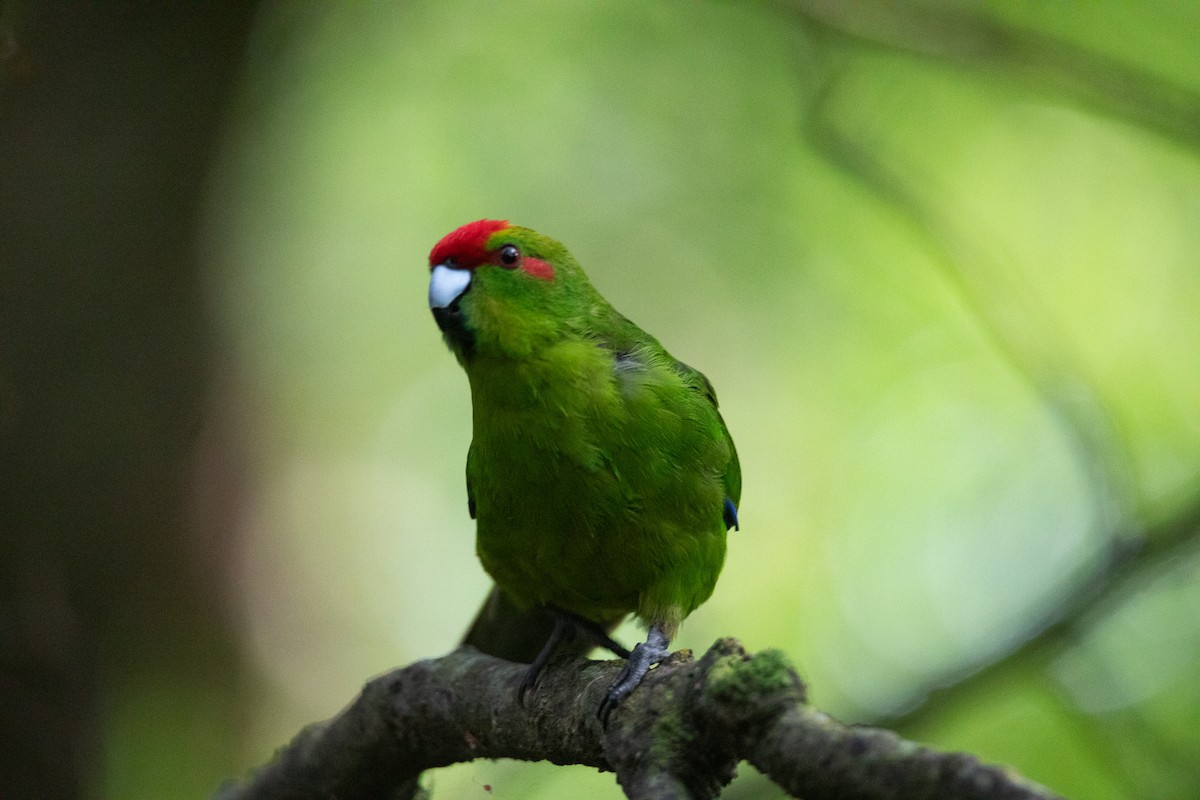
column 680, row 735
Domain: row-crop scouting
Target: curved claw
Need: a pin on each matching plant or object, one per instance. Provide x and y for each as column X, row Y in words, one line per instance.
column 643, row 657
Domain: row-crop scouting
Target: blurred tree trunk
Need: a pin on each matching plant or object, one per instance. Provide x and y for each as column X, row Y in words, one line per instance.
column 109, row 115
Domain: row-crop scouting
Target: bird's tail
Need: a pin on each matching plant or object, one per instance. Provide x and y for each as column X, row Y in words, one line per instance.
column 505, row 630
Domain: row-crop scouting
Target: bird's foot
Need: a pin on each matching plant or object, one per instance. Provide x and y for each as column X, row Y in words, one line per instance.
column 566, row 625
column 643, row 657
column 529, row 679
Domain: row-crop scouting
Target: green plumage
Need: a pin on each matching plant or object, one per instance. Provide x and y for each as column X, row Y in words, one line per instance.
column 600, row 467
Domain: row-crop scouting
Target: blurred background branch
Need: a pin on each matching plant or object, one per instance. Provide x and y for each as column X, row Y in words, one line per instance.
column 951, row 35
column 1127, row 570
column 1019, row 327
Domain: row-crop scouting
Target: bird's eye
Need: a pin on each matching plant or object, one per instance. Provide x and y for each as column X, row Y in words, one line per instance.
column 510, row 256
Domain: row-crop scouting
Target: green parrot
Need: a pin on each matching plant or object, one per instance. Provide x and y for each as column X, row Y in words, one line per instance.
column 600, row 475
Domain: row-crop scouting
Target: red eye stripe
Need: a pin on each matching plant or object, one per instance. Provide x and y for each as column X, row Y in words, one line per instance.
column 538, row 268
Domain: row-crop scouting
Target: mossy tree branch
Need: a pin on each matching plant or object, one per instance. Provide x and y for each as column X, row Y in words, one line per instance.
column 680, row 735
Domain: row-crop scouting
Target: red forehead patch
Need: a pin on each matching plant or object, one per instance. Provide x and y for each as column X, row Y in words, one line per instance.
column 466, row 245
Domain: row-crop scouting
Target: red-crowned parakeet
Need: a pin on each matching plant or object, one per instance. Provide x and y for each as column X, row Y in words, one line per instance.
column 601, row 476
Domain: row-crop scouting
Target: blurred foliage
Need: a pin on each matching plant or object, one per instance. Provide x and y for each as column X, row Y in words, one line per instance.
column 939, row 261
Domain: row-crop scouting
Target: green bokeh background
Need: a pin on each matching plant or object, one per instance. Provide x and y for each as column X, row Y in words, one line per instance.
column 950, row 309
